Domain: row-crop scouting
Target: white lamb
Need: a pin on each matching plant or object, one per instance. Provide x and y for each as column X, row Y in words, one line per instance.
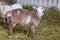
column 5, row 8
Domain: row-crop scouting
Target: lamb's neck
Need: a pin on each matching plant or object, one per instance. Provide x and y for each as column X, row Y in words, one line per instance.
column 40, row 14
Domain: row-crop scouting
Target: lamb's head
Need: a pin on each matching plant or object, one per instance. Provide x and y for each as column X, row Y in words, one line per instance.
column 1, row 7
column 2, row 3
column 40, row 10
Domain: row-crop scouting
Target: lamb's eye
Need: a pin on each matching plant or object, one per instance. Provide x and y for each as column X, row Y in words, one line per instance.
column 2, row 3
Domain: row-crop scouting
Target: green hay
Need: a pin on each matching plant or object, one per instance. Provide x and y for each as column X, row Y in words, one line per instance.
column 48, row 29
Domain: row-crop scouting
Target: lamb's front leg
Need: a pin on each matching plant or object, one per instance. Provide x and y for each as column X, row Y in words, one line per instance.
column 5, row 23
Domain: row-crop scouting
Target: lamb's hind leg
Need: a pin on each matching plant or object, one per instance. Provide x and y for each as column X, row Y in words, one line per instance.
column 11, row 26
column 28, row 33
column 10, row 29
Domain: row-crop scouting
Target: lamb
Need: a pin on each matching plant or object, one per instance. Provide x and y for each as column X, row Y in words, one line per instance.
column 25, row 17
column 5, row 8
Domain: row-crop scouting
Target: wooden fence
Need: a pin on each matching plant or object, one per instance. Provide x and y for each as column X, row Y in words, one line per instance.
column 45, row 3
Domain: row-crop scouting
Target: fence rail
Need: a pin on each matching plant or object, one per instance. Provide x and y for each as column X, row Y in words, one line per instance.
column 45, row 3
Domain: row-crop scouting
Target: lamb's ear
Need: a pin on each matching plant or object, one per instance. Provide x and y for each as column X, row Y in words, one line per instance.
column 35, row 7
column 46, row 8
